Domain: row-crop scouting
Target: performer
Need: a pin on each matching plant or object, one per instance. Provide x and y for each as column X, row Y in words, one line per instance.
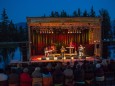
column 46, row 52
column 81, row 50
column 62, row 51
column 71, row 45
column 53, row 48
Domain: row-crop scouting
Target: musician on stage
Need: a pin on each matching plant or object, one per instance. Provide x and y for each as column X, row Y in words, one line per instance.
column 53, row 48
column 46, row 52
column 62, row 51
column 71, row 45
column 81, row 50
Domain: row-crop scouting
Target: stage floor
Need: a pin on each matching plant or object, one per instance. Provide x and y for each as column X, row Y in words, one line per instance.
column 58, row 58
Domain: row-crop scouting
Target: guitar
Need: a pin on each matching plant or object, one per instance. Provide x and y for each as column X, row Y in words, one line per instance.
column 63, row 50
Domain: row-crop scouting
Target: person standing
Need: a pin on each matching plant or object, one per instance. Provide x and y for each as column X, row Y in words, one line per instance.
column 81, row 51
column 62, row 51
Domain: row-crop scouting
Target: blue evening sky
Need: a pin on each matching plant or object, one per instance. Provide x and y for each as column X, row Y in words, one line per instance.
column 18, row 10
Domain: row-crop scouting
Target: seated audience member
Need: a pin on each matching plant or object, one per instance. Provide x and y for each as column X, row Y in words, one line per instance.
column 25, row 79
column 68, row 73
column 45, row 72
column 19, row 69
column 105, row 65
column 37, row 73
column 58, row 76
column 49, row 67
column 47, row 77
column 99, row 73
column 13, row 77
column 79, row 74
column 3, row 78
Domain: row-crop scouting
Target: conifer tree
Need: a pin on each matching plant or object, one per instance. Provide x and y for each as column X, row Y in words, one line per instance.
column 75, row 14
column 79, row 12
column 4, row 26
column 63, row 14
column 92, row 13
column 85, row 14
column 106, row 28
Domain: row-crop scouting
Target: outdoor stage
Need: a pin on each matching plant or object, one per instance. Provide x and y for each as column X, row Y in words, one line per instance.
column 48, row 35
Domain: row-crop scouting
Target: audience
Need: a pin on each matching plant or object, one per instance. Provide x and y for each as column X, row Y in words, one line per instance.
column 61, row 74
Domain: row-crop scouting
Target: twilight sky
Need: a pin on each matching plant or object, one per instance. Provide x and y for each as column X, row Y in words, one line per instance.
column 18, row 10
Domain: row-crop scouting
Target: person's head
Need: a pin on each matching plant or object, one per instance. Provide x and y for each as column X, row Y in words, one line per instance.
column 25, row 70
column 98, row 65
column 37, row 69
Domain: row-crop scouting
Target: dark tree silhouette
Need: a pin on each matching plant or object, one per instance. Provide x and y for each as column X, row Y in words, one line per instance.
column 92, row 13
column 79, row 12
column 4, row 26
column 63, row 14
column 56, row 14
column 11, row 31
column 52, row 14
column 106, row 28
column 75, row 14
column 85, row 14
column 106, row 25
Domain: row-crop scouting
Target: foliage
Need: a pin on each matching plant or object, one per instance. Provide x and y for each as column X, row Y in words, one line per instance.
column 106, row 25
column 92, row 13
column 75, row 14
column 85, row 14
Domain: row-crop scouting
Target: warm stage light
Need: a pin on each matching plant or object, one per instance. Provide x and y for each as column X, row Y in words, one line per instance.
column 55, row 58
column 47, row 58
column 38, row 58
column 72, row 58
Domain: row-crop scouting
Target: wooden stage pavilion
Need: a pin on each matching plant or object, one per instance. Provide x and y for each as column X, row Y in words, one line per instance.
column 45, row 32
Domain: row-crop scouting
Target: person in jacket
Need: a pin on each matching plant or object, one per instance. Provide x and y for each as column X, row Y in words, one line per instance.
column 25, row 79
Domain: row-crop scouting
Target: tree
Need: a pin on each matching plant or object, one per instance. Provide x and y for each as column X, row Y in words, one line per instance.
column 75, row 14
column 92, row 13
column 21, row 33
column 11, row 31
column 63, row 14
column 85, row 14
column 106, row 25
column 4, row 17
column 4, row 26
column 52, row 14
column 79, row 12
column 106, row 29
column 56, row 14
